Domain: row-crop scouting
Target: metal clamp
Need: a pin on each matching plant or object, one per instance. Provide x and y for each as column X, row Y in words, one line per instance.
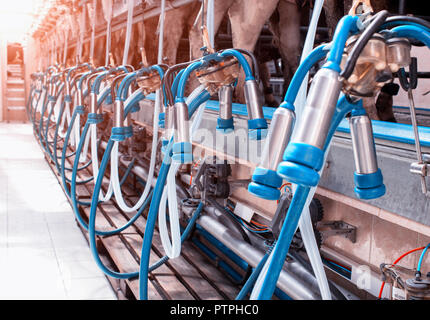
column 336, row 228
column 422, row 166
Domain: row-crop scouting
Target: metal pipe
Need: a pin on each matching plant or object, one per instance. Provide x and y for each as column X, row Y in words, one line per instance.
column 293, row 280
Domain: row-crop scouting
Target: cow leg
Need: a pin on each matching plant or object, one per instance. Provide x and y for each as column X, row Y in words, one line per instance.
column 246, row 23
column 117, row 46
column 99, row 51
column 151, row 43
column 196, row 42
column 174, row 25
column 269, row 99
column 370, row 107
column 289, row 38
column 333, row 10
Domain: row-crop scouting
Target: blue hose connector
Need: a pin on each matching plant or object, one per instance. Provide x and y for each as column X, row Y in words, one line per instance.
column 301, row 164
column 304, row 154
column 128, row 132
column 298, row 174
column 257, row 129
column 265, row 184
column 369, row 186
column 162, row 120
column 117, row 134
column 225, row 125
column 182, row 152
column 94, row 118
column 164, row 144
column 80, row 110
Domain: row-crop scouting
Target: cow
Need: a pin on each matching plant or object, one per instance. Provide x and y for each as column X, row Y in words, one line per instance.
column 247, row 22
column 177, row 21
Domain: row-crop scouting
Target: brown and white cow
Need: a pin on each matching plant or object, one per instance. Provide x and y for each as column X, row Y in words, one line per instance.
column 247, row 21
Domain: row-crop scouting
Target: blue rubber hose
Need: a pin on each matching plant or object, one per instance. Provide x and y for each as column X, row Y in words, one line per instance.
column 33, row 111
column 155, row 203
column 46, row 128
column 420, row 261
column 184, row 78
column 242, row 61
column 97, row 188
column 398, row 23
column 44, row 93
column 45, row 97
column 150, row 225
column 63, row 157
column 55, row 142
column 122, row 91
column 45, row 135
column 29, row 101
column 42, row 113
column 92, row 219
column 57, row 127
column 413, row 32
column 346, row 25
column 161, row 74
column 280, row 251
column 175, row 83
column 252, row 278
column 314, row 56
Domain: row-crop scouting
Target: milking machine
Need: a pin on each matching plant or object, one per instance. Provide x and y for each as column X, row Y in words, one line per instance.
column 215, row 71
column 218, row 73
column 366, row 51
column 364, row 54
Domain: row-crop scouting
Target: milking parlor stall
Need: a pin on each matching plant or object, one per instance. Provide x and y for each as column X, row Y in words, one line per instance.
column 215, row 150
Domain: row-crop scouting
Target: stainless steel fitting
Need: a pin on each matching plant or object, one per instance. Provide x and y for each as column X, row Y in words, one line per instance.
column 253, row 100
column 363, row 144
column 226, row 101
column 319, row 109
column 118, row 113
column 280, row 129
column 169, row 123
column 182, row 129
column 93, row 102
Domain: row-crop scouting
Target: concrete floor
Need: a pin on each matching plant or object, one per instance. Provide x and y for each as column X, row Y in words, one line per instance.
column 43, row 253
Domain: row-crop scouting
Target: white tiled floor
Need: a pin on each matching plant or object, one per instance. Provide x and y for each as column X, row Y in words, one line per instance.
column 43, row 254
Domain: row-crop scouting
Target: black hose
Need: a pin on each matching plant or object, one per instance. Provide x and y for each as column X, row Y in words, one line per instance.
column 417, row 20
column 361, row 42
